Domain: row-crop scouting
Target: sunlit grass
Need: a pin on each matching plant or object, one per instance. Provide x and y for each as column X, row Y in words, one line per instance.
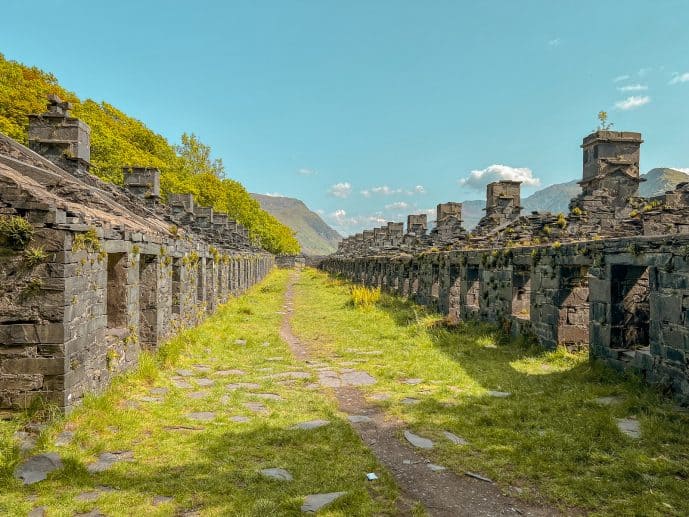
column 549, row 440
column 214, row 470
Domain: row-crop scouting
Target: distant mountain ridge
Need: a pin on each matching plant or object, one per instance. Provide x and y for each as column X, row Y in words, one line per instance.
column 555, row 198
column 313, row 234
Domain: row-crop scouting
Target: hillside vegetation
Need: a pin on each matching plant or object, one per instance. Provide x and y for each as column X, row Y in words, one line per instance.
column 313, row 234
column 119, row 140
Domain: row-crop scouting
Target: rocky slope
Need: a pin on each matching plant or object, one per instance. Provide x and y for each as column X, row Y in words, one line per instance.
column 314, row 235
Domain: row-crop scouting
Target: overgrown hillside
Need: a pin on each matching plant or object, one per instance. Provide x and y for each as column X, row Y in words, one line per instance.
column 118, row 140
column 313, row 234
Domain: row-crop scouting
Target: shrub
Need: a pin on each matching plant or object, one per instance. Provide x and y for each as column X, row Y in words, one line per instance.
column 34, row 255
column 15, row 232
column 364, row 296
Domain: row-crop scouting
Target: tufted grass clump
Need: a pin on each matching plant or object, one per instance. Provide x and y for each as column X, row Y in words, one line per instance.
column 364, row 296
column 15, row 232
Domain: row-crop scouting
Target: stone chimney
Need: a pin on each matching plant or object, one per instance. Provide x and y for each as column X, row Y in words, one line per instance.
column 181, row 207
column 144, row 183
column 611, row 162
column 445, row 211
column 64, row 140
column 503, row 199
column 417, row 224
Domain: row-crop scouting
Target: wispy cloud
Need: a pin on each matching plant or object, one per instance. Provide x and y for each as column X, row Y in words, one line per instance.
column 496, row 172
column 398, row 205
column 633, row 88
column 384, row 190
column 306, row 172
column 345, row 222
column 274, row 194
column 555, row 42
column 685, row 170
column 632, row 102
column 620, row 78
column 341, row 190
column 679, row 78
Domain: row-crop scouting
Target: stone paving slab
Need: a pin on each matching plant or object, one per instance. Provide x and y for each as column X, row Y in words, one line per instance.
column 314, row 502
column 36, row 468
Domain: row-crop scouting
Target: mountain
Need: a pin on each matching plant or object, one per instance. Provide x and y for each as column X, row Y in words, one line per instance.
column 660, row 180
column 315, row 237
column 555, row 198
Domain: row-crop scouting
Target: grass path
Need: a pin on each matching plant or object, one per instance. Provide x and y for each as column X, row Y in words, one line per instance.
column 535, row 422
column 184, row 466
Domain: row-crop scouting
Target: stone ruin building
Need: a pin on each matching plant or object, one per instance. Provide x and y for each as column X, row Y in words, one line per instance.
column 611, row 276
column 92, row 274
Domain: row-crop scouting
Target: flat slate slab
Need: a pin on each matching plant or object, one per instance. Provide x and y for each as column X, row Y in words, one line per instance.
column 418, row 441
column 629, row 426
column 435, row 468
column 108, row 459
column 314, row 502
column 457, row 440
column 37, row 468
column 609, row 400
column 181, row 383
column 359, row 419
column 380, row 396
column 37, row 512
column 410, row 401
column 277, row 473
column 413, row 381
column 203, row 416
column 161, row 499
column 196, row 395
column 267, row 396
column 158, row 391
column 311, row 424
column 64, row 438
column 256, row 407
column 240, row 419
column 499, row 394
column 357, row 378
column 205, row 382
column 154, row 400
column 202, row 368
column 184, row 373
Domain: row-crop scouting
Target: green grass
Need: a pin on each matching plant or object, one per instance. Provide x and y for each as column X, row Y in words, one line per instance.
column 214, row 470
column 548, row 442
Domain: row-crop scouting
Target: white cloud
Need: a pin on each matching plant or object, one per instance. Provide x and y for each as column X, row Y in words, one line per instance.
column 384, row 190
column 620, row 78
column 320, row 211
column 555, row 42
column 680, row 78
column 496, row 172
column 399, row 205
column 633, row 88
column 685, row 170
column 274, row 194
column 306, row 172
column 341, row 190
column 632, row 102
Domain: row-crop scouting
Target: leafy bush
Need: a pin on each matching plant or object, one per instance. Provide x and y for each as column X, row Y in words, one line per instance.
column 15, row 232
column 364, row 296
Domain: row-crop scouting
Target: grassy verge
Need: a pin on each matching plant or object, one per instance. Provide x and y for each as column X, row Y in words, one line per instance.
column 213, row 470
column 549, row 440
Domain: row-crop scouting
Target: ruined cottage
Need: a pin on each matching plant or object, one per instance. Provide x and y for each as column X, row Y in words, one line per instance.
column 91, row 274
column 611, row 276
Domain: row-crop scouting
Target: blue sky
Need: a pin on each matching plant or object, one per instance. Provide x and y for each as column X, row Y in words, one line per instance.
column 369, row 110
